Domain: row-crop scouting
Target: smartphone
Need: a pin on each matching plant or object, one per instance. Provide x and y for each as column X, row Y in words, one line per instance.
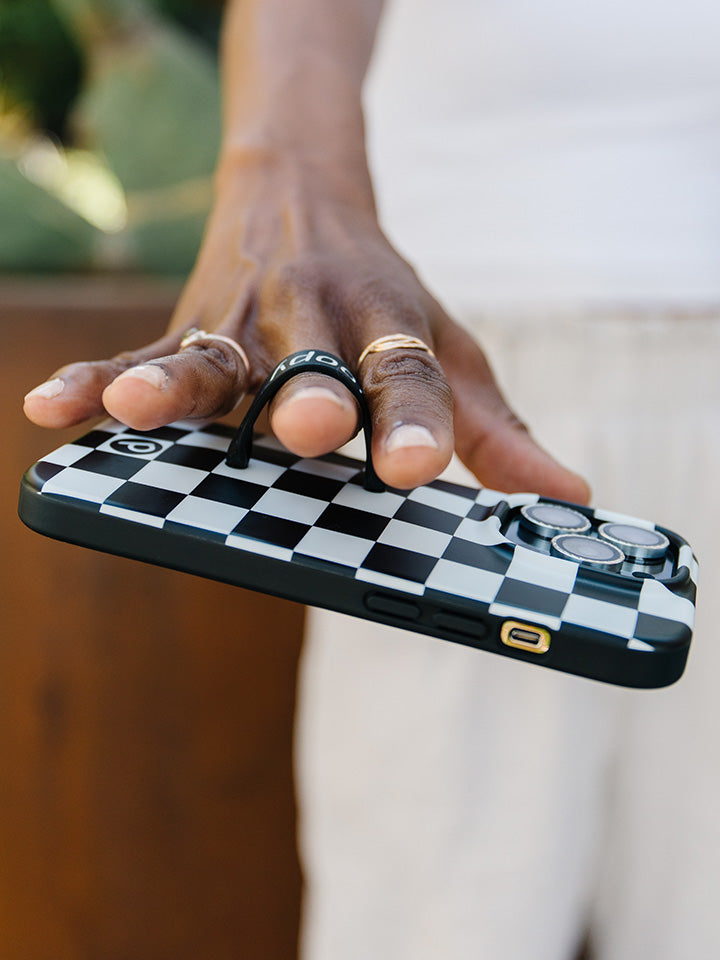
column 586, row 591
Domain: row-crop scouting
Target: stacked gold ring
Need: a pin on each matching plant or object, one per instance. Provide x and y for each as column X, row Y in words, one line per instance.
column 394, row 341
column 195, row 335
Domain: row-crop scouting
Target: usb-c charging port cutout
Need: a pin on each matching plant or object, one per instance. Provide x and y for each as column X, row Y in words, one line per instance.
column 525, row 636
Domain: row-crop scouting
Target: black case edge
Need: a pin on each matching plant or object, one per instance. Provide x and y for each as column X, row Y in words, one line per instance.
column 586, row 654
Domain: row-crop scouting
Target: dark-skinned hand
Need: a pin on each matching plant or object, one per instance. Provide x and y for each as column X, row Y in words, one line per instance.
column 288, row 262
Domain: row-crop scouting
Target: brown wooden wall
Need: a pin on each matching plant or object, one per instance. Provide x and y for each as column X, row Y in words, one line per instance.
column 146, row 805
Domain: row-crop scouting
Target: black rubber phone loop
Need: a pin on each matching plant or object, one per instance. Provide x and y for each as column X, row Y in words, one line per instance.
column 304, row 361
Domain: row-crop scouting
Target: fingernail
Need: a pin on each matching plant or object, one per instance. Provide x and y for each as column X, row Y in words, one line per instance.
column 320, row 393
column 410, row 435
column 48, row 390
column 149, row 372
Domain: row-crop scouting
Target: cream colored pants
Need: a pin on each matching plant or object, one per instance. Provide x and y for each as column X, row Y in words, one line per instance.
column 458, row 805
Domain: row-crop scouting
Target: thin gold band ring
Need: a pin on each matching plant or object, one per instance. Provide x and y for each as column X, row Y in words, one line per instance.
column 195, row 335
column 394, row 341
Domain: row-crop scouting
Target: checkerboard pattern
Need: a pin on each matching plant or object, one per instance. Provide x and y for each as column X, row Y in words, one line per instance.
column 438, row 540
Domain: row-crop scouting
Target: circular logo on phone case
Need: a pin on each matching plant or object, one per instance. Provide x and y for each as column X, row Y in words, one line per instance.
column 136, row 446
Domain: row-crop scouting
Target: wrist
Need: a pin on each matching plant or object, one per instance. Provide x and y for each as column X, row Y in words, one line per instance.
column 305, row 113
column 320, row 177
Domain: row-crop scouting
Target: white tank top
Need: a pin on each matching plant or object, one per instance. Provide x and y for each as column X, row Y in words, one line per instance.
column 550, row 151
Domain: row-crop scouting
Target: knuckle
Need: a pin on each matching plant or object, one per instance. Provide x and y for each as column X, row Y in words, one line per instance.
column 503, row 417
column 375, row 297
column 296, row 280
column 95, row 371
column 122, row 361
column 515, row 423
column 484, row 430
column 219, row 359
column 412, row 367
column 71, row 369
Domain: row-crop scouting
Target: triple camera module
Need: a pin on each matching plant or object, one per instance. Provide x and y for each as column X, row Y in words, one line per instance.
column 569, row 535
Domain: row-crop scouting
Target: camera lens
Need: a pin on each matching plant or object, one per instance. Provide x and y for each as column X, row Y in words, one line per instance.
column 548, row 519
column 635, row 542
column 594, row 552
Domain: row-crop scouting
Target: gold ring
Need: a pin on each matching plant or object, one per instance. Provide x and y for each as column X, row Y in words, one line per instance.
column 394, row 341
column 195, row 335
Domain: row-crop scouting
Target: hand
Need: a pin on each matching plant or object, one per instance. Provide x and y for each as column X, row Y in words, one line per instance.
column 292, row 259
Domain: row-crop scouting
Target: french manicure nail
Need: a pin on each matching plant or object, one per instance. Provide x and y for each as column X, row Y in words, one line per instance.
column 410, row 435
column 149, row 372
column 48, row 390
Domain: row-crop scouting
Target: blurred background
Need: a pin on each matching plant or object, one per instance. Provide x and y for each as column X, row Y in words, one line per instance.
column 146, row 800
column 109, row 127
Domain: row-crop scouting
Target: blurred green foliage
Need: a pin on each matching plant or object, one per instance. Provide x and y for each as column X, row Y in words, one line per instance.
column 153, row 109
column 40, row 64
column 202, row 19
column 136, row 83
column 38, row 232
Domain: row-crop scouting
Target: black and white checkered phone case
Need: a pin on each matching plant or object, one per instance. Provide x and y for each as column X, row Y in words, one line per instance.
column 441, row 559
